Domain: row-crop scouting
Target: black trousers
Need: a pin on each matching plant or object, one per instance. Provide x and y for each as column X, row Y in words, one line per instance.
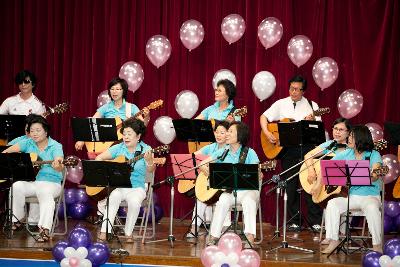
column 289, row 158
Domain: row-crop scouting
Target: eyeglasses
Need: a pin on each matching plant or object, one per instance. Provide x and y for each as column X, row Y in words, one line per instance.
column 340, row 130
column 26, row 82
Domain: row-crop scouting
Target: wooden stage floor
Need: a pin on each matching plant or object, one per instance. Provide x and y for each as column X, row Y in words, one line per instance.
column 185, row 252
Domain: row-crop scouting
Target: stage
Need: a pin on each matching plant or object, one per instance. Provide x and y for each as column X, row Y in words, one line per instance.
column 186, row 252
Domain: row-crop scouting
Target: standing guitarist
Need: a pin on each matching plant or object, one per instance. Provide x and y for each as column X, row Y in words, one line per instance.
column 295, row 107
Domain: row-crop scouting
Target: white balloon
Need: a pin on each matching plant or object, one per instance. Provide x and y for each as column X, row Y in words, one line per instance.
column 186, row 104
column 263, row 85
column 385, row 260
column 64, row 262
column 69, row 252
column 396, row 261
column 81, row 253
column 164, row 130
column 85, row 263
column 223, row 74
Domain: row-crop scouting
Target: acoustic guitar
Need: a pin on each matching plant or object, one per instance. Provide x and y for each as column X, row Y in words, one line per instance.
column 194, row 146
column 272, row 150
column 99, row 147
column 69, row 161
column 323, row 192
column 99, row 193
column 209, row 195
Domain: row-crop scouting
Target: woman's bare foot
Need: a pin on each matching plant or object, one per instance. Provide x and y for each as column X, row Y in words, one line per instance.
column 332, row 246
column 129, row 239
column 326, row 241
column 102, row 237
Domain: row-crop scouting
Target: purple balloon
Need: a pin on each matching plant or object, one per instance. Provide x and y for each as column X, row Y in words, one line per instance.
column 58, row 250
column 70, row 196
column 122, row 211
column 81, row 196
column 396, row 223
column 387, row 224
column 371, row 259
column 98, row 253
column 392, row 247
column 158, row 212
column 79, row 237
column 392, row 208
column 78, row 211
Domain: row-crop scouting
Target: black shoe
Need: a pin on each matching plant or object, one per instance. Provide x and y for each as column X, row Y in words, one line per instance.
column 294, row 228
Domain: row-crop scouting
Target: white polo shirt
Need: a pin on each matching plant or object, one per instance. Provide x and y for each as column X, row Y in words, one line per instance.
column 15, row 105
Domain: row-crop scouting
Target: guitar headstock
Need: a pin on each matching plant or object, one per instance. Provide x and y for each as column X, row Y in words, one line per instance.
column 240, row 111
column 70, row 161
column 161, row 149
column 59, row 108
column 380, row 144
column 268, row 165
column 160, row 161
column 156, row 104
column 322, row 111
column 381, row 170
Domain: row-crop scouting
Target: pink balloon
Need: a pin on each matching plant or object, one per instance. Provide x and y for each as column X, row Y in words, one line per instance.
column 325, row 72
column 376, row 131
column 192, row 34
column 133, row 73
column 103, row 98
column 392, row 162
column 75, row 174
column 73, row 262
column 158, row 50
column 164, row 130
column 350, row 103
column 233, row 27
column 270, row 32
column 230, row 242
column 299, row 49
column 249, row 258
column 208, row 255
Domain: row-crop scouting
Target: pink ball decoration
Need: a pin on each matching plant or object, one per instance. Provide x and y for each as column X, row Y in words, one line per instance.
column 270, row 32
column 249, row 258
column 350, row 103
column 233, row 27
column 230, row 242
column 208, row 255
column 133, row 73
column 191, row 34
column 325, row 72
column 75, row 174
column 158, row 50
column 393, row 164
column 103, row 98
column 299, row 50
column 376, row 131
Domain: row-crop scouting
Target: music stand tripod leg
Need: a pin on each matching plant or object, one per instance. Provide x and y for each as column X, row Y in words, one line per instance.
column 196, row 226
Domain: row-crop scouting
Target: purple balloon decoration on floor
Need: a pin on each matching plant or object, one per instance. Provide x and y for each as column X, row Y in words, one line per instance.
column 396, row 224
column 58, row 250
column 79, row 237
column 122, row 211
column 60, row 211
column 371, row 259
column 98, row 253
column 81, row 196
column 392, row 247
column 70, row 195
column 387, row 224
column 392, row 208
column 158, row 212
column 78, row 211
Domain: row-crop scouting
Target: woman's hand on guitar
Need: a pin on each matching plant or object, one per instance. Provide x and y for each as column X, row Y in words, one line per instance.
column 270, row 137
column 205, row 169
column 312, row 176
column 310, row 117
column 149, row 158
column 79, row 145
column 57, row 164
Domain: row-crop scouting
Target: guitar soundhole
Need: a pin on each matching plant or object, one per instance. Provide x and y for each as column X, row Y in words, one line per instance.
column 330, row 188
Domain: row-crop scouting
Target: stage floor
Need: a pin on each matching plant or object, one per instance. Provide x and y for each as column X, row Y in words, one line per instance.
column 185, row 252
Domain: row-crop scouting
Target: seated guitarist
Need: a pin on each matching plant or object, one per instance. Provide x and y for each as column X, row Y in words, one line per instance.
column 366, row 198
column 133, row 131
column 237, row 138
column 295, row 107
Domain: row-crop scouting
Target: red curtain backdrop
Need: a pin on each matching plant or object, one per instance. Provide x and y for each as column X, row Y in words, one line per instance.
column 75, row 47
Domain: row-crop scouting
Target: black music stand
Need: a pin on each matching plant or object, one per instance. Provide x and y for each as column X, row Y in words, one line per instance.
column 194, row 130
column 14, row 167
column 234, row 177
column 346, row 173
column 94, row 130
column 107, row 174
column 12, row 126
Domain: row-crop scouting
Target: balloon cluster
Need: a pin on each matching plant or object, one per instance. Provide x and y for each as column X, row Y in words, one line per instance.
column 390, row 256
column 78, row 206
column 391, row 221
column 79, row 251
column 229, row 253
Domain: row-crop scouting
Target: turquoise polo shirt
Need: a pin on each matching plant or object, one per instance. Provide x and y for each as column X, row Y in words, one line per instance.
column 17, row 140
column 209, row 149
column 53, row 150
column 138, row 173
column 213, row 112
column 375, row 157
column 110, row 111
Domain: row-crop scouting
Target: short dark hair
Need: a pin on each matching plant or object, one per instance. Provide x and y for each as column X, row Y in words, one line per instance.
column 342, row 120
column 224, row 124
column 362, row 138
column 299, row 79
column 137, row 126
column 123, row 84
column 22, row 75
column 242, row 132
column 38, row 119
column 230, row 88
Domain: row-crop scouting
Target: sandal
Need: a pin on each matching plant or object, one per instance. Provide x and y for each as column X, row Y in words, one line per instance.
column 102, row 237
column 43, row 236
column 16, row 226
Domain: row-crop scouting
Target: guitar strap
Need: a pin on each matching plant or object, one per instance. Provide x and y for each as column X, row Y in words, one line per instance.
column 310, row 102
column 243, row 154
column 137, row 153
column 128, row 110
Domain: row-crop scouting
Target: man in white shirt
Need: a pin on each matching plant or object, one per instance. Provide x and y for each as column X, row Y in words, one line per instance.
column 295, row 107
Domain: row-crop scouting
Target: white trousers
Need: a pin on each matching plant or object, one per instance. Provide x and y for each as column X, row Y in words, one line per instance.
column 249, row 200
column 44, row 191
column 369, row 205
column 134, row 197
column 204, row 213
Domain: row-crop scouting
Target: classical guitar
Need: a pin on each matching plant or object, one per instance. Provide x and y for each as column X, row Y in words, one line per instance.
column 210, row 195
column 194, row 146
column 69, row 161
column 99, row 193
column 272, row 150
column 98, row 147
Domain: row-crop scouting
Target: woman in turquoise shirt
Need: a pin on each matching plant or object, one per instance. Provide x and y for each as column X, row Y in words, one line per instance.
column 47, row 185
column 366, row 198
column 132, row 132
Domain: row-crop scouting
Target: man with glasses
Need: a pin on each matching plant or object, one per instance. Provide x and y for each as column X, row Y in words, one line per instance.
column 25, row 102
column 295, row 107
